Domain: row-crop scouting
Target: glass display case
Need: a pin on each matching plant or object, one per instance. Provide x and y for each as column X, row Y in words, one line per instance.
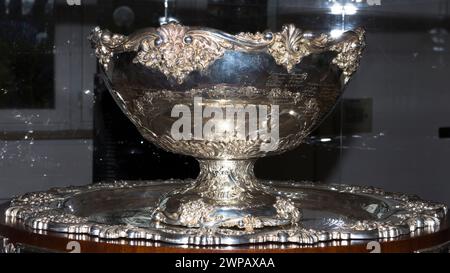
column 61, row 126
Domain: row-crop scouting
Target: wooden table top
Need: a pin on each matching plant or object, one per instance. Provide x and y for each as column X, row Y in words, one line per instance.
column 58, row 242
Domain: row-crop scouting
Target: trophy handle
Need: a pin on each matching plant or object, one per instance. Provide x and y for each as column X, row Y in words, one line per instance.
column 177, row 50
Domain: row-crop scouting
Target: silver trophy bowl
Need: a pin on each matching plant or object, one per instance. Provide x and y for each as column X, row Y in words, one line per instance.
column 226, row 100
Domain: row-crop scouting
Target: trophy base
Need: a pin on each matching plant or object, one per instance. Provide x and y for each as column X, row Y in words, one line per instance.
column 226, row 194
column 329, row 212
column 190, row 209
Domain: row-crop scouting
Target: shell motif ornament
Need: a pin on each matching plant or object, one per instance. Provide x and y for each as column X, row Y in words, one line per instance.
column 176, row 50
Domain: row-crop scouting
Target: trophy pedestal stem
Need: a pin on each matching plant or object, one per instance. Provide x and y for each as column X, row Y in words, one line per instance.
column 227, row 181
column 226, row 194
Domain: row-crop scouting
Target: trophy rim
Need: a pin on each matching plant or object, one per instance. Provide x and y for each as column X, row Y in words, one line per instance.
column 177, row 50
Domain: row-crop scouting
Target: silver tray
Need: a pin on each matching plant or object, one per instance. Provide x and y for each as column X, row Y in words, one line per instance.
column 329, row 212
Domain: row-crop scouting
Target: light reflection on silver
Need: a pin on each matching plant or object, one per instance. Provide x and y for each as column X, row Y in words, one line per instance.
column 152, row 70
column 331, row 212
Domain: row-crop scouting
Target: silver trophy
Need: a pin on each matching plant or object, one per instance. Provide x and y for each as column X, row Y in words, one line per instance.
column 226, row 100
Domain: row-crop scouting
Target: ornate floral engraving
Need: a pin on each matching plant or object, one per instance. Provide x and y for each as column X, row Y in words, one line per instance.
column 406, row 214
column 225, row 186
column 287, row 209
column 289, row 47
column 230, row 147
column 250, row 223
column 349, row 53
column 192, row 214
column 178, row 50
column 105, row 44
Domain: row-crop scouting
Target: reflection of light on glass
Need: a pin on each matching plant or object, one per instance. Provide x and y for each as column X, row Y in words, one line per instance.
column 325, row 139
column 167, row 19
column 347, row 9
column 336, row 33
column 439, row 38
column 336, row 8
column 350, row 9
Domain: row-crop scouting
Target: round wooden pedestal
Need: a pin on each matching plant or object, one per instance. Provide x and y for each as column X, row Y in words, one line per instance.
column 14, row 237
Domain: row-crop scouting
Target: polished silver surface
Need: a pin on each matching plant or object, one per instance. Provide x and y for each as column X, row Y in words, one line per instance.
column 6, row 246
column 281, row 84
column 329, row 212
